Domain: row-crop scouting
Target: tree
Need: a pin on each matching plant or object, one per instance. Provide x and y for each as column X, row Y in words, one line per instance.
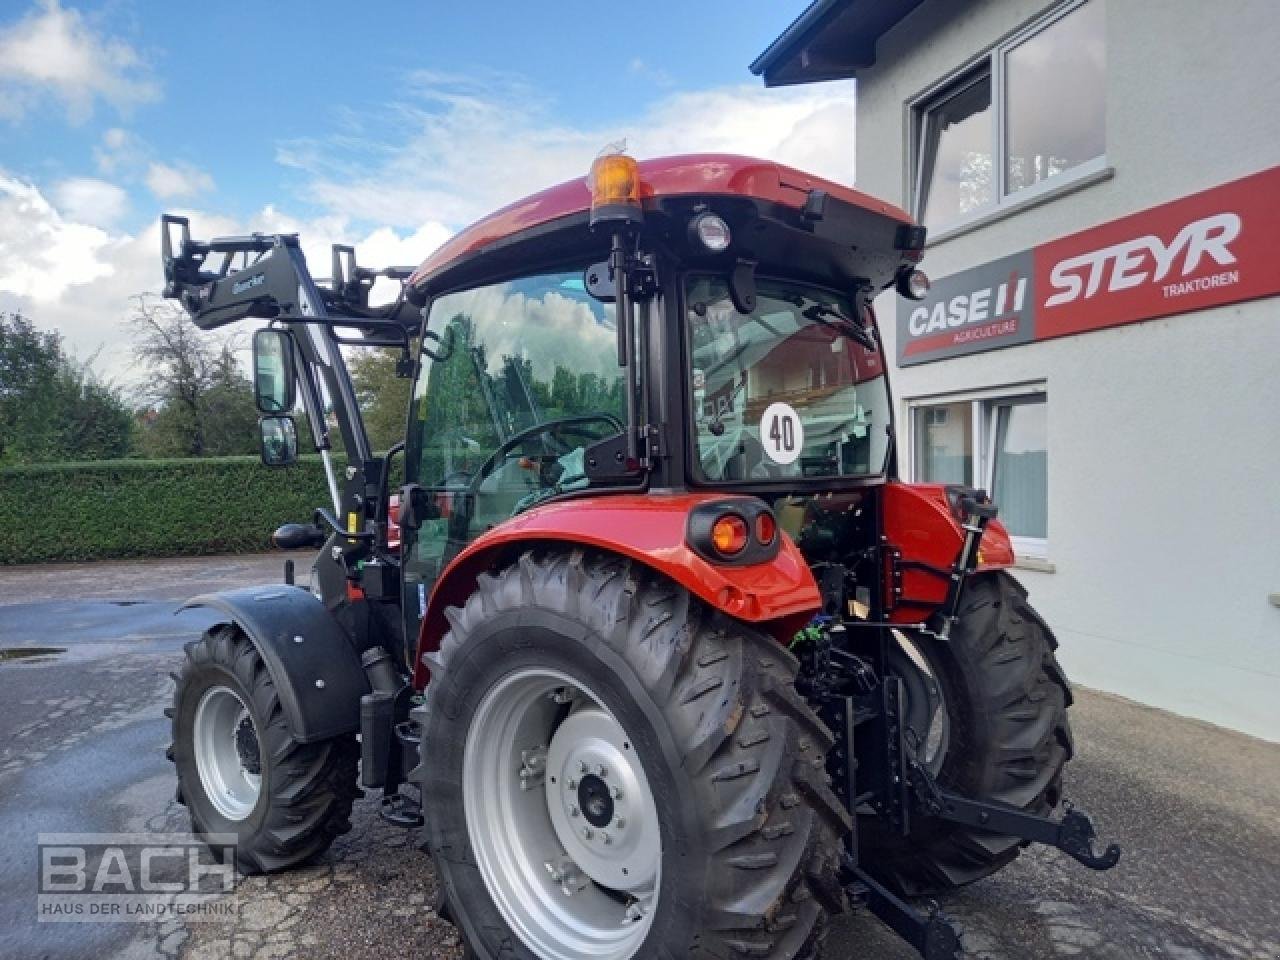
column 383, row 397
column 51, row 407
column 201, row 401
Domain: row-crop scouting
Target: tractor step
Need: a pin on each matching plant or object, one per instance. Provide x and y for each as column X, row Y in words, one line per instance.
column 934, row 935
column 401, row 811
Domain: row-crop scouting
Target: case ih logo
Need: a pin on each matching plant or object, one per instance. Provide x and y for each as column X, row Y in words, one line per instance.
column 1206, row 250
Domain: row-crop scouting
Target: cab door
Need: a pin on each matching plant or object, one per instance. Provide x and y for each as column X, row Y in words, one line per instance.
column 515, row 380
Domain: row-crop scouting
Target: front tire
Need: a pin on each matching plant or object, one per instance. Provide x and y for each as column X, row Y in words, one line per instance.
column 241, row 772
column 572, row 652
column 1006, row 737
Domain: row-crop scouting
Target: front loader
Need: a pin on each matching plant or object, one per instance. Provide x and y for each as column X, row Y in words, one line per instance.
column 652, row 645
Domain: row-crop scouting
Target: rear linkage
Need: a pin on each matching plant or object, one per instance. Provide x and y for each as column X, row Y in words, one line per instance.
column 904, row 785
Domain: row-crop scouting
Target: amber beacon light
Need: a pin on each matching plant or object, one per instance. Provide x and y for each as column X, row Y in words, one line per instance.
column 614, row 182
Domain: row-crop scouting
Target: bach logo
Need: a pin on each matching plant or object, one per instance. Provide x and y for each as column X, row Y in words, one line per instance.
column 132, row 877
column 1146, row 259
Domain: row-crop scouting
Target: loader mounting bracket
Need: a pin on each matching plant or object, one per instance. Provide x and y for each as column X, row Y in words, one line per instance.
column 1074, row 834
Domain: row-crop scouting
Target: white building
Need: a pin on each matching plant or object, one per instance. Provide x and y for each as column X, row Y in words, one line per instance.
column 1101, row 349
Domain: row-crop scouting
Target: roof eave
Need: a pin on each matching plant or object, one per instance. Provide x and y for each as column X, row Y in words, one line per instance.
column 830, row 40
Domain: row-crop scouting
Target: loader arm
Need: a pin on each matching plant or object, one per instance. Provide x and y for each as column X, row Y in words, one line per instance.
column 265, row 277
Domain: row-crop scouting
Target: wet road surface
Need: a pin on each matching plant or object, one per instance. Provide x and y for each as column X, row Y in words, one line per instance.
column 82, row 739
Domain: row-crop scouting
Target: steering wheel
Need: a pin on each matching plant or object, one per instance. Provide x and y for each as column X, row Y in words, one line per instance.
column 552, row 429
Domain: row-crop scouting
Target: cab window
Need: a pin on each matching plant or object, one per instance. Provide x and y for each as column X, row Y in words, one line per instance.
column 517, row 380
column 791, row 390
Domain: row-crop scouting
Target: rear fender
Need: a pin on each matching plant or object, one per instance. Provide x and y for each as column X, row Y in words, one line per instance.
column 315, row 669
column 918, row 525
column 778, row 595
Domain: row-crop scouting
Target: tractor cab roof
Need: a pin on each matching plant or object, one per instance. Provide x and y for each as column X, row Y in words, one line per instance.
column 779, row 192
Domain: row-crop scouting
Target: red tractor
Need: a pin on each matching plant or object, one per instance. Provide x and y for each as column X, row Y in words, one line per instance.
column 654, row 645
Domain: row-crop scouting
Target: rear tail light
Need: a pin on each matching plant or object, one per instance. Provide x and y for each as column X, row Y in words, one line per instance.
column 729, row 535
column 766, row 529
column 734, row 531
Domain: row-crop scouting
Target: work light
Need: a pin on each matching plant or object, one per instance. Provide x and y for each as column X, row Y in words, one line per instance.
column 711, row 231
column 913, row 284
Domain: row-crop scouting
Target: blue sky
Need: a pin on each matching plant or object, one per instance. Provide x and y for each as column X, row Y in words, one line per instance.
column 388, row 125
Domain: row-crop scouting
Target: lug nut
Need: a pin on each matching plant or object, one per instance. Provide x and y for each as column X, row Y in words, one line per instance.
column 620, row 822
column 574, row 811
column 615, row 792
column 587, row 833
column 571, row 784
column 602, row 771
column 606, row 838
column 582, row 767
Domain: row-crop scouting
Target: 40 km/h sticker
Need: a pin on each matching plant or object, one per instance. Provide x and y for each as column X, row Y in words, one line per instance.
column 781, row 433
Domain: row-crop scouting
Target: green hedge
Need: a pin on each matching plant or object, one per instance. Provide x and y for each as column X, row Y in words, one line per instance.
column 151, row 508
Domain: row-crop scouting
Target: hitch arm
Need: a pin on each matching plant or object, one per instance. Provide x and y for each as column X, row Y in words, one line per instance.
column 1073, row 834
column 933, row 935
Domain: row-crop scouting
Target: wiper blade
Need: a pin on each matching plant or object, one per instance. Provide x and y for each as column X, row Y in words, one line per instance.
column 830, row 317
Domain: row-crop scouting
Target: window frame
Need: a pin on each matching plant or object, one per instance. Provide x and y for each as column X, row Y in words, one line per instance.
column 991, row 62
column 984, row 404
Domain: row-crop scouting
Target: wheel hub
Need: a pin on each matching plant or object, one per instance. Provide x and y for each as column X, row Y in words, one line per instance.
column 227, row 753
column 247, row 747
column 594, row 799
column 561, row 819
column 600, row 804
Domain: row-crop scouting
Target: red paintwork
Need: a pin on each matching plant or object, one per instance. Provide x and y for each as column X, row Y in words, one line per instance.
column 707, row 174
column 780, row 595
column 918, row 521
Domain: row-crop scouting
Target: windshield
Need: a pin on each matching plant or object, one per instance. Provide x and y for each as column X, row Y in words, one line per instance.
column 782, row 392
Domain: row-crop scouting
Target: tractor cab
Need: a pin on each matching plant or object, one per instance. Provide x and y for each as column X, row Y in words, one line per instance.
column 652, row 637
column 747, row 359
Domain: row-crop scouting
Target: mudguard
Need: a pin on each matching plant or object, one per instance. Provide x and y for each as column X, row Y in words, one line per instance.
column 316, row 670
column 778, row 595
column 925, row 538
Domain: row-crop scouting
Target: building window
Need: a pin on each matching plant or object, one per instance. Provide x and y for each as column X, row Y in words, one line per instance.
column 1031, row 112
column 999, row 443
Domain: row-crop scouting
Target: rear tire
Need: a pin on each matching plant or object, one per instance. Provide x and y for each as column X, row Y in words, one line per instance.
column 733, row 758
column 284, row 801
column 1008, row 740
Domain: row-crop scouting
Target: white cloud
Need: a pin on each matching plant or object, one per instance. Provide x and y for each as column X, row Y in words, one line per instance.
column 120, row 151
column 169, row 182
column 76, row 278
column 52, row 52
column 470, row 147
column 474, row 145
column 92, row 201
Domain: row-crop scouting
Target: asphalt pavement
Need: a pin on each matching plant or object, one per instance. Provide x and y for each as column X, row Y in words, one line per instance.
column 82, row 739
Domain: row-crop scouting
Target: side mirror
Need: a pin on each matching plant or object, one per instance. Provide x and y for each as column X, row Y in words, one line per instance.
column 273, row 374
column 279, row 441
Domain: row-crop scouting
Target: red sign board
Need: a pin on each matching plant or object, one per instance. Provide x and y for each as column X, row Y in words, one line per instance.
column 1212, row 248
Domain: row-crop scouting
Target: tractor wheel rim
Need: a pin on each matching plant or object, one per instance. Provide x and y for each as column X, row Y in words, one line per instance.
column 926, row 717
column 226, row 752
column 561, row 818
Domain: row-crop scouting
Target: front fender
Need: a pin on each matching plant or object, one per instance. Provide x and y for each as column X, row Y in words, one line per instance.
column 780, row 595
column 315, row 669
